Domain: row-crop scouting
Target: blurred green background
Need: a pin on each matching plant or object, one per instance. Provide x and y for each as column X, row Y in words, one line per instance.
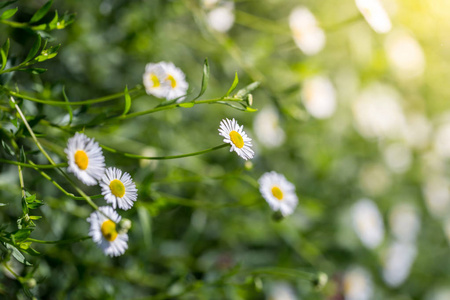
column 201, row 229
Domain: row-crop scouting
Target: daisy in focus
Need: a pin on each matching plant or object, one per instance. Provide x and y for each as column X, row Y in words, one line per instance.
column 308, row 36
column 103, row 231
column 118, row 188
column 278, row 192
column 86, row 160
column 375, row 15
column 164, row 80
column 237, row 138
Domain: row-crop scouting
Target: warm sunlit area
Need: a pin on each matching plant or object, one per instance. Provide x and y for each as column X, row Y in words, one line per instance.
column 219, row 149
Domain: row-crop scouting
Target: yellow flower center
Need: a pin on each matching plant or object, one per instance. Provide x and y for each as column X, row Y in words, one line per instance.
column 81, row 159
column 173, row 83
column 117, row 188
column 109, row 230
column 277, row 193
column 236, row 139
column 155, row 80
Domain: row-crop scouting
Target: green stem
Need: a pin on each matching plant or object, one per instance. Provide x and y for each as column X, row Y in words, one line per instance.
column 163, row 157
column 10, row 270
column 59, row 242
column 63, row 103
column 34, row 166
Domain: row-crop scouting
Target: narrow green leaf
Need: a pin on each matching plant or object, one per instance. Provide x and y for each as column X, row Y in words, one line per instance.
column 186, row 104
column 32, row 251
column 4, row 59
column 22, row 234
column 127, row 102
column 233, row 86
column 247, row 90
column 4, row 4
column 8, row 13
column 69, row 108
column 35, row 71
column 7, row 148
column 34, row 50
column 23, row 157
column 18, row 255
column 53, row 23
column 205, row 79
column 41, row 12
column 250, row 109
column 6, row 46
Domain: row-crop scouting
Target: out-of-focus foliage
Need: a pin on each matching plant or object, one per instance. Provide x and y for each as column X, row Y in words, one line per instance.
column 360, row 127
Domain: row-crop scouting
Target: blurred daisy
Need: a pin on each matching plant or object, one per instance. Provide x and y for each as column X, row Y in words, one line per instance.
column 221, row 17
column 375, row 15
column 267, row 127
column 237, row 138
column 405, row 55
column 404, row 222
column 436, row 191
column 103, row 231
column 442, row 139
column 398, row 157
column 397, row 263
column 86, row 160
column 155, row 80
column 308, row 36
column 176, row 80
column 319, row 97
column 357, row 284
column 281, row 291
column 118, row 188
column 278, row 192
column 368, row 223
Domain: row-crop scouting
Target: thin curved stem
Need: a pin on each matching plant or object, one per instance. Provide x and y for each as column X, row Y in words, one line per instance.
column 130, row 155
column 34, row 166
column 63, row 103
column 59, row 242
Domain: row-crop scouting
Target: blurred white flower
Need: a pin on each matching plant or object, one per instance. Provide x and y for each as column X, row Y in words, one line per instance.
column 308, row 36
column 85, row 158
column 442, row 140
column 397, row 263
column 417, row 131
column 404, row 221
column 319, row 97
column 278, row 192
column 375, row 15
column 368, row 223
column 377, row 113
column 267, row 127
column 118, row 189
column 221, row 16
column 281, row 291
column 357, row 284
column 436, row 191
column 441, row 293
column 237, row 138
column 164, row 80
column 104, row 233
column 374, row 179
column 398, row 157
column 405, row 55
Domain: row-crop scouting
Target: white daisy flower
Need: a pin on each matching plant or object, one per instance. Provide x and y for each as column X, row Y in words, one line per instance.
column 368, row 223
column 118, row 188
column 86, row 160
column 375, row 15
column 237, row 138
column 319, row 97
column 281, row 291
column 103, row 231
column 155, row 80
column 404, row 221
column 357, row 284
column 397, row 262
column 176, row 81
column 278, row 192
column 308, row 36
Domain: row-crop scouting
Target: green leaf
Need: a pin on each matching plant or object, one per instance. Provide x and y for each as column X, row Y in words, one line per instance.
column 32, row 251
column 250, row 109
column 7, row 148
column 22, row 234
column 233, row 86
column 48, row 53
column 69, row 108
column 53, row 23
column 205, row 79
column 35, row 71
column 4, row 4
column 4, row 59
column 41, row 12
column 23, row 157
column 186, row 104
column 18, row 255
column 24, row 206
column 127, row 101
column 8, row 13
column 34, row 49
column 247, row 90
column 6, row 46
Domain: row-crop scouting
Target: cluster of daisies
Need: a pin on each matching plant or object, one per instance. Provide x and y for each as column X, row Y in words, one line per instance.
column 87, row 163
column 274, row 187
